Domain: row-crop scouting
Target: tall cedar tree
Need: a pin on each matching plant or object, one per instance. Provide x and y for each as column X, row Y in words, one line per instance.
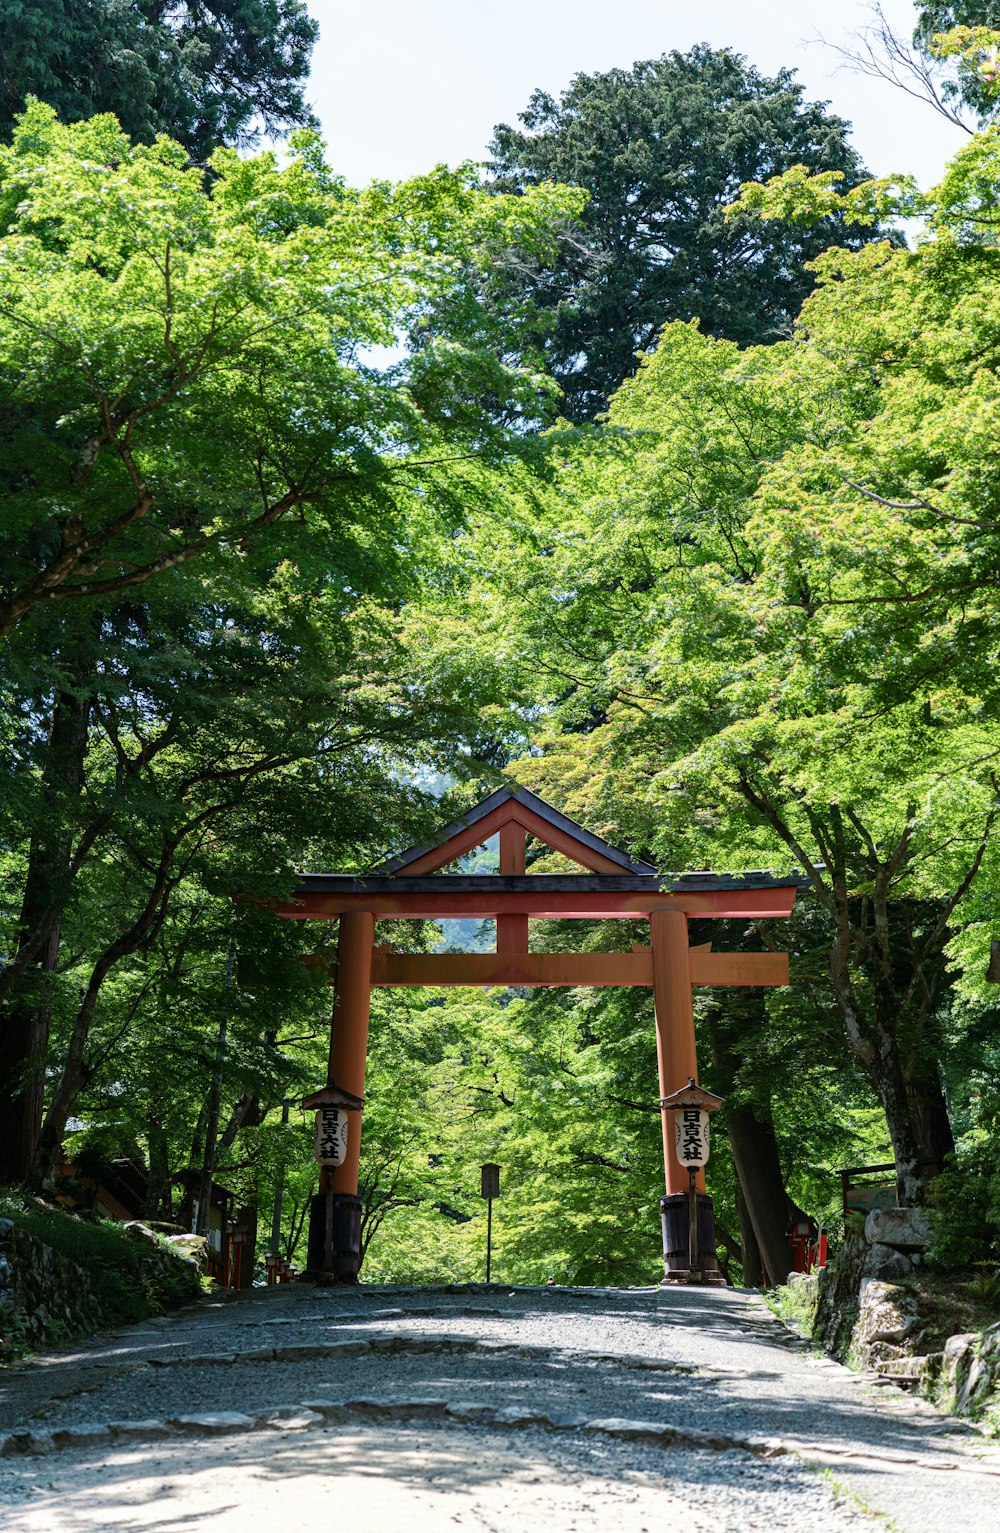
column 662, row 149
column 206, row 72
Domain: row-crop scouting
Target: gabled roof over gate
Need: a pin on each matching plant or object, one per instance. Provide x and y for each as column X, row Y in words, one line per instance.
column 612, row 884
column 535, row 816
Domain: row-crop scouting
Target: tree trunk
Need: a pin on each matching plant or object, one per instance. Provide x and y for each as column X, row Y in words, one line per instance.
column 211, row 1132
column 915, row 1170
column 214, row 1105
column 158, row 1180
column 185, row 1213
column 76, row 1070
column 762, row 1204
column 755, row 1153
column 753, row 1267
column 929, row 1115
column 24, row 1023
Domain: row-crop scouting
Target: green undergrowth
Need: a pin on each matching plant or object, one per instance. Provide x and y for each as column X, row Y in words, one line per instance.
column 795, row 1305
column 130, row 1279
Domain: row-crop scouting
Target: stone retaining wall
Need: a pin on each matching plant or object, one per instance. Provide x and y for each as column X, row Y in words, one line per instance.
column 862, row 1311
column 44, row 1297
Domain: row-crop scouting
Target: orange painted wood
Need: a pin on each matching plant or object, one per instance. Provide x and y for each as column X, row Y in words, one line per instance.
column 737, row 968
column 586, row 905
column 512, row 931
column 675, row 1046
column 504, row 814
column 512, row 849
column 511, row 968
column 522, row 968
column 349, row 1031
column 562, row 841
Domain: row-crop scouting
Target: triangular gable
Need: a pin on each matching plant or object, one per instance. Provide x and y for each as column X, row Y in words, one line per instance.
column 535, row 816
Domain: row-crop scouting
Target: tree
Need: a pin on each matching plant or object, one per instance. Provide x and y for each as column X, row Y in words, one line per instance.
column 205, row 74
column 241, row 309
column 748, row 608
column 974, row 82
column 189, row 410
column 661, row 149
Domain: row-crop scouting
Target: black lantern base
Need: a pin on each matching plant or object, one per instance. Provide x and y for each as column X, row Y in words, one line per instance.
column 676, row 1241
column 334, row 1238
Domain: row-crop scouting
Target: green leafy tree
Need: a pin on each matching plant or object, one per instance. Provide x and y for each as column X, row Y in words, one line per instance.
column 191, row 419
column 205, row 74
column 968, row 22
column 753, row 637
column 661, row 149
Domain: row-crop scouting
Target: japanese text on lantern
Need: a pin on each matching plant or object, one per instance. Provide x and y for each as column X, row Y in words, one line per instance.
column 691, row 1136
column 331, row 1135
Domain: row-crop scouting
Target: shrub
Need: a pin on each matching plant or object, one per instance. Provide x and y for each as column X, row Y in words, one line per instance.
column 966, row 1207
column 131, row 1279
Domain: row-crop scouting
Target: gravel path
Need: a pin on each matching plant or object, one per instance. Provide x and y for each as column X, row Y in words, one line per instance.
column 625, row 1380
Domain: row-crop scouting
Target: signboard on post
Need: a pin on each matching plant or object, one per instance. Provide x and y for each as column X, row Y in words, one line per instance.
column 331, row 1135
column 489, row 1187
column 691, row 1136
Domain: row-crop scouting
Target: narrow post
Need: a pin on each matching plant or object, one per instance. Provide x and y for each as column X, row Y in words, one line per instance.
column 675, row 1045
column 335, row 1215
column 678, row 1062
column 279, row 1193
column 489, row 1237
column 512, row 931
column 693, row 1262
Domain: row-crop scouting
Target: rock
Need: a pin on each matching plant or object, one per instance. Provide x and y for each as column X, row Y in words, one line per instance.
column 886, row 1312
column 520, row 1416
column 136, row 1230
column 906, row 1229
column 151, row 1427
column 621, row 1426
column 289, row 1418
column 39, row 1442
column 956, row 1345
column 193, row 1248
column 13, row 1443
column 330, row 1410
column 885, row 1262
column 47, row 1296
column 6, row 1230
column 966, row 1377
column 213, row 1423
column 887, row 1315
column 837, row 1309
column 398, row 1409
column 469, row 1410
column 87, row 1435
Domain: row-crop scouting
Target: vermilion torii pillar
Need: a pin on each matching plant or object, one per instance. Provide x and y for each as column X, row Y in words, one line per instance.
column 614, row 887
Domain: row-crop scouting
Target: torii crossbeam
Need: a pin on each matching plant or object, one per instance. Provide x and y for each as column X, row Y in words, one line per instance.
column 615, row 886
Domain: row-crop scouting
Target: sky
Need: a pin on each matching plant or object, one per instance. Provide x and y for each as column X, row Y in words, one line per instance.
column 400, row 85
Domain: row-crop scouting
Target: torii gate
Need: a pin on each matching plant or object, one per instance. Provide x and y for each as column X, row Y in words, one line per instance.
column 614, row 887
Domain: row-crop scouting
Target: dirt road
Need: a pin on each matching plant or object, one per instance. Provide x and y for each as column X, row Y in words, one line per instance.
column 565, row 1411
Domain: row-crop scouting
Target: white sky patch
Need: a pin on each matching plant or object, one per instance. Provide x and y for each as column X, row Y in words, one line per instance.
column 405, row 84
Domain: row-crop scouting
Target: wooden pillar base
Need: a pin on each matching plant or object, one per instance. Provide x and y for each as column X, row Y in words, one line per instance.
column 334, row 1238
column 676, row 1228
